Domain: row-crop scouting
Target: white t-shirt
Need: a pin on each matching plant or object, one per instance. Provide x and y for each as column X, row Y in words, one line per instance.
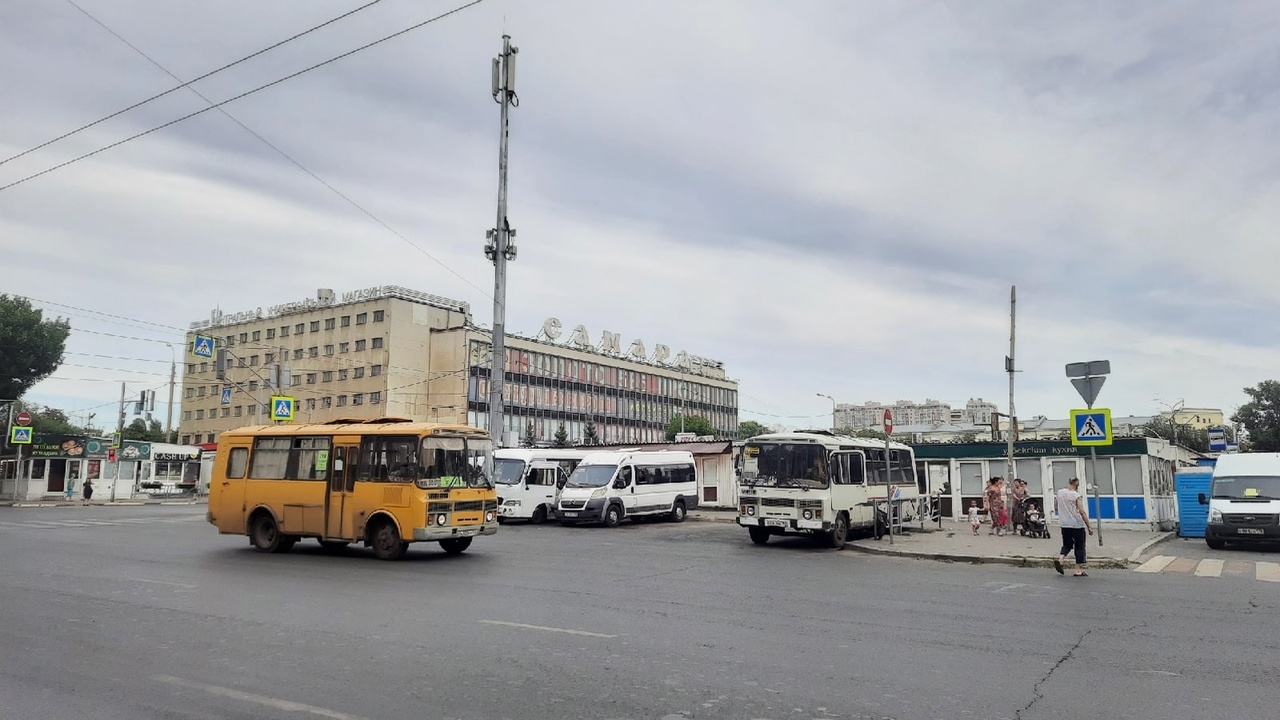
column 1069, row 509
column 973, row 516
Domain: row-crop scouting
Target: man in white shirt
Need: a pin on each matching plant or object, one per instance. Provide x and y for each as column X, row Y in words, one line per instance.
column 1073, row 518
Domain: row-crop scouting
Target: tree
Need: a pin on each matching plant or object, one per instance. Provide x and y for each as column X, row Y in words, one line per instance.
column 52, row 421
column 589, row 434
column 1261, row 416
column 869, row 433
column 530, row 437
column 1192, row 438
column 695, row 424
column 147, row 431
column 750, row 428
column 30, row 346
column 561, row 439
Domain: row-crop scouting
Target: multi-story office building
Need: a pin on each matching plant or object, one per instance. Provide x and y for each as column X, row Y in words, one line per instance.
column 390, row 351
column 907, row 412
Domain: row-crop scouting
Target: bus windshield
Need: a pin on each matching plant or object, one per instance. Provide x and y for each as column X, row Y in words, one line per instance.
column 585, row 476
column 1247, row 488
column 801, row 465
column 452, row 462
column 508, row 471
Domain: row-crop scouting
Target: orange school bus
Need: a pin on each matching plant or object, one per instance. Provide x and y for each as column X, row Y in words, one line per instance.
column 384, row 482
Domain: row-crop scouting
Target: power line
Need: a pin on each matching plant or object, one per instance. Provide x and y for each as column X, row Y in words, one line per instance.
column 277, row 149
column 245, row 94
column 185, row 84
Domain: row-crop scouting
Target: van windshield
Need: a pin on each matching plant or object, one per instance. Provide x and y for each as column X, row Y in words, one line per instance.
column 508, row 471
column 586, row 476
column 1262, row 487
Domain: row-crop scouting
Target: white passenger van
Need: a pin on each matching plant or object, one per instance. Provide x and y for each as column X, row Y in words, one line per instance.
column 609, row 486
column 529, row 480
column 1243, row 499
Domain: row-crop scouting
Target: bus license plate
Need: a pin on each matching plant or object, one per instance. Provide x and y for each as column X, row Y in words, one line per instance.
column 569, row 514
column 772, row 522
column 468, row 532
column 1249, row 531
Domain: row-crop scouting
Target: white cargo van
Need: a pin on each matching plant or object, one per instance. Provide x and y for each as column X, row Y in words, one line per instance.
column 529, row 480
column 1244, row 499
column 609, row 486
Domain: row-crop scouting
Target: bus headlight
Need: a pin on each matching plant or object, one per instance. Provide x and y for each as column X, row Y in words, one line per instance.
column 600, row 492
column 751, row 510
column 442, row 519
column 488, row 517
column 808, row 514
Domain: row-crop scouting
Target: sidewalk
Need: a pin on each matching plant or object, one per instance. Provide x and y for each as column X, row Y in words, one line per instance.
column 131, row 502
column 955, row 542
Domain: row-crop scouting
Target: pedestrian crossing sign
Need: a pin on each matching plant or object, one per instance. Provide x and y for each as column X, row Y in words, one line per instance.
column 1091, row 427
column 202, row 347
column 19, row 435
column 282, row 408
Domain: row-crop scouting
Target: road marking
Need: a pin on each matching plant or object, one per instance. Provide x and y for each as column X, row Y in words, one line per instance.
column 1268, row 571
column 1155, row 564
column 547, row 629
column 184, row 586
column 278, row 704
column 1210, row 567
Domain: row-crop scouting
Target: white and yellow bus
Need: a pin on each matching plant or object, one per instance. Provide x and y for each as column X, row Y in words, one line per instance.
column 385, row 482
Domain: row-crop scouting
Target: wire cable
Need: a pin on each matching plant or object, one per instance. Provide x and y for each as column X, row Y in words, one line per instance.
column 211, row 73
column 277, row 149
column 242, row 95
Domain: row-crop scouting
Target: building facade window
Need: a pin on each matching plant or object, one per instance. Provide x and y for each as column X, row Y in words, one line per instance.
column 299, row 328
column 375, row 398
column 327, row 376
column 346, row 321
column 360, row 345
column 311, row 378
column 362, row 318
column 357, row 399
column 271, row 333
column 375, row 371
column 379, row 315
column 359, row 373
column 377, row 343
column 329, row 323
column 344, row 347
column 257, row 335
column 342, row 401
column 328, row 349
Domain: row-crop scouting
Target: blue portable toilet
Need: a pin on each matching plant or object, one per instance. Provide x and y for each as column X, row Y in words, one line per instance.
column 1192, row 516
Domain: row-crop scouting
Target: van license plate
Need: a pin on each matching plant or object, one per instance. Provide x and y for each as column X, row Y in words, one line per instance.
column 772, row 522
column 1249, row 531
column 569, row 514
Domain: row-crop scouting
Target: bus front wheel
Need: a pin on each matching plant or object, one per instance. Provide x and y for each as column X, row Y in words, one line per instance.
column 612, row 516
column 539, row 515
column 454, row 546
column 839, row 533
column 759, row 535
column 386, row 543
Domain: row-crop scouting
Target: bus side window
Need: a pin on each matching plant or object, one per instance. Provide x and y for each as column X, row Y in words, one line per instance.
column 840, row 469
column 237, row 463
column 856, row 475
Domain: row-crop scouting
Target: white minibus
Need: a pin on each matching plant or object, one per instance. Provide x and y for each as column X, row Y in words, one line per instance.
column 1244, row 499
column 609, row 486
column 529, row 480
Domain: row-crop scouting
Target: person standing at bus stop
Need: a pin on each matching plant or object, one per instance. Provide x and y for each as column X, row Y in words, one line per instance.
column 1073, row 518
column 995, row 505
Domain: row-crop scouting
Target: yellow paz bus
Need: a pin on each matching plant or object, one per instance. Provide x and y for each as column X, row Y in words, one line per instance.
column 385, row 482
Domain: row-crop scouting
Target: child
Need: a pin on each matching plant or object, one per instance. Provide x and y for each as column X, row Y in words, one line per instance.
column 974, row 520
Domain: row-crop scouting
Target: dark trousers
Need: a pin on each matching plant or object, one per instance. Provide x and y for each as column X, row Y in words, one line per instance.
column 1073, row 538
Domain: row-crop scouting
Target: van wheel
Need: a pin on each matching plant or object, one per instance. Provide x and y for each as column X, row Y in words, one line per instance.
column 386, row 543
column 539, row 515
column 839, row 533
column 678, row 512
column 759, row 535
column 1214, row 543
column 266, row 537
column 612, row 516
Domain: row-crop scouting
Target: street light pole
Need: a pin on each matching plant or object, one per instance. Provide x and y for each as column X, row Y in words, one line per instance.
column 834, row 427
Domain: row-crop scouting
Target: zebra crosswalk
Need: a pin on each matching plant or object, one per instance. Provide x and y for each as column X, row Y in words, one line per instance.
column 1262, row 571
column 93, row 522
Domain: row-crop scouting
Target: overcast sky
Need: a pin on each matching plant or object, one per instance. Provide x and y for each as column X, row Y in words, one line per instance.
column 830, row 197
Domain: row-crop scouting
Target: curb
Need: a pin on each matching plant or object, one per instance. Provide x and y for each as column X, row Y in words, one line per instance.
column 1136, row 555
column 1102, row 563
column 705, row 518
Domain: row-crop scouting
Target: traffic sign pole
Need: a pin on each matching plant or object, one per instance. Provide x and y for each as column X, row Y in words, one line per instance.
column 1087, row 377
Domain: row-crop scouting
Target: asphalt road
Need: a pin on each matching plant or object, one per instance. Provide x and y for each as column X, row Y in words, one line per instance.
column 145, row 612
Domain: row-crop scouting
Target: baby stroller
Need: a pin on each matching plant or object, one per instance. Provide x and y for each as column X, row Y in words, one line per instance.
column 1033, row 521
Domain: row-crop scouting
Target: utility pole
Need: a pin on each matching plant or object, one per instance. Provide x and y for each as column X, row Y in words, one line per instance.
column 173, row 378
column 115, row 480
column 498, row 248
column 1009, row 368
